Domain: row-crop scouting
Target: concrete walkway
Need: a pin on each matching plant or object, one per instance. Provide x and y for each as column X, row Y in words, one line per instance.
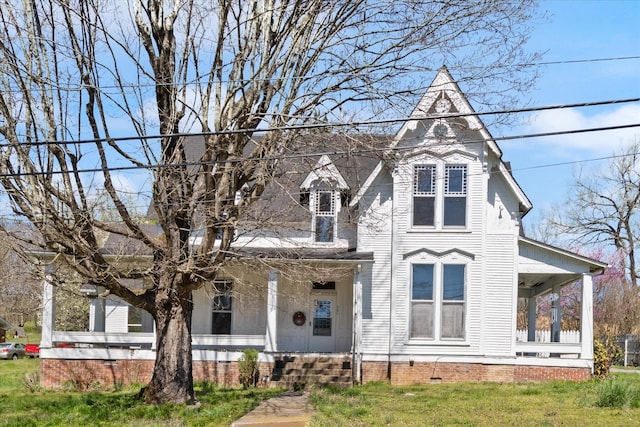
column 290, row 409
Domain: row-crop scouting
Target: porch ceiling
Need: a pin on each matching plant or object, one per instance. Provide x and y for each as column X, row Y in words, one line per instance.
column 542, row 267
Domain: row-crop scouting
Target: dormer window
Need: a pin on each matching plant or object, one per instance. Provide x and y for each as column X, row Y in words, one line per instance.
column 324, row 191
column 325, row 215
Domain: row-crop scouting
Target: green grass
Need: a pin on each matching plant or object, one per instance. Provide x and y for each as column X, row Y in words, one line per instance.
column 608, row 403
column 488, row 404
column 20, row 407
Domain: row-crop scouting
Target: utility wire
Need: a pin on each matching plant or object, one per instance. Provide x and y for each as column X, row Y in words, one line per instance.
column 318, row 154
column 312, row 126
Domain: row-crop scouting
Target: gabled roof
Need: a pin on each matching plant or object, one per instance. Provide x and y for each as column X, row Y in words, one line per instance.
column 444, row 99
column 541, row 267
column 325, row 171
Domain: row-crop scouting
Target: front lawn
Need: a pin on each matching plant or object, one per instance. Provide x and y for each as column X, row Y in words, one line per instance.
column 614, row 402
column 21, row 407
column 594, row 403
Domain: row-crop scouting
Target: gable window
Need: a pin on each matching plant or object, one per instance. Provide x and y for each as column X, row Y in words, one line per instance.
column 325, row 212
column 438, row 301
column 455, row 195
column 424, row 195
column 221, row 304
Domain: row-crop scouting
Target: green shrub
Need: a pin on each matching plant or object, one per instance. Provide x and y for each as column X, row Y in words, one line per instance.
column 248, row 367
column 605, row 352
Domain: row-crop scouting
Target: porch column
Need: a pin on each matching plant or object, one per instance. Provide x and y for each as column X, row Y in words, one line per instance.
column 532, row 307
column 586, row 318
column 357, row 322
column 270, row 344
column 556, row 314
column 48, row 311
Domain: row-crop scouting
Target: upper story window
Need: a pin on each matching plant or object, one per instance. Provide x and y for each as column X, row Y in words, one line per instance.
column 325, row 191
column 440, row 201
column 424, row 195
column 325, row 215
column 455, row 195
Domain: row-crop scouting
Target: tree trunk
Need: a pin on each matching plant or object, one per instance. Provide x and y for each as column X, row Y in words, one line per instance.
column 172, row 380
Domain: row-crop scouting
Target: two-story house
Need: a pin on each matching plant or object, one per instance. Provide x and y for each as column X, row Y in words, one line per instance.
column 403, row 261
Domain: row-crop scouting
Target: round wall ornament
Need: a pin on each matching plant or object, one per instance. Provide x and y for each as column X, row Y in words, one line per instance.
column 299, row 318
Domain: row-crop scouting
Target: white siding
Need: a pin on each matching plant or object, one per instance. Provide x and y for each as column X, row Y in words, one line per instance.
column 443, row 245
column 374, row 234
column 500, row 290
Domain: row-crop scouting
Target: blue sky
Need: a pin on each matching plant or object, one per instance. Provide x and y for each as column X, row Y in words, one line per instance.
column 577, row 30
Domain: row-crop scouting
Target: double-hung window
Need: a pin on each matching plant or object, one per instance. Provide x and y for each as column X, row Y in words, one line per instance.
column 221, row 307
column 424, row 195
column 455, row 195
column 437, row 301
column 440, row 202
column 325, row 215
column 422, row 301
column 453, row 307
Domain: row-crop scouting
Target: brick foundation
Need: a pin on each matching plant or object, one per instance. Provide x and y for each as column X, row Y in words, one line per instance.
column 107, row 373
column 428, row 372
column 85, row 373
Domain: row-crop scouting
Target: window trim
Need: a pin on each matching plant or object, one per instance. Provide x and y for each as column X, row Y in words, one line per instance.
column 438, row 302
column 439, row 193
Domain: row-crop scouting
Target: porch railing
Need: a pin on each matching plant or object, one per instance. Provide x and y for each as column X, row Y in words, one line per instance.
column 570, row 344
column 147, row 340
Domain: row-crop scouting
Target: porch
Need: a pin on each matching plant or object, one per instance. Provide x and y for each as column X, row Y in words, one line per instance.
column 545, row 270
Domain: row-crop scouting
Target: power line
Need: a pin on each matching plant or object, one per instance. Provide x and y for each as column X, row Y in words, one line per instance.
column 319, row 154
column 312, row 126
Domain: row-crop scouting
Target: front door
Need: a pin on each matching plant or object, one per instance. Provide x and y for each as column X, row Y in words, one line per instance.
column 323, row 323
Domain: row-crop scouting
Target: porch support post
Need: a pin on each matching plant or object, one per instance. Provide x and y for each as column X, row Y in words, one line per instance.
column 586, row 318
column 357, row 323
column 48, row 311
column 531, row 315
column 556, row 314
column 272, row 312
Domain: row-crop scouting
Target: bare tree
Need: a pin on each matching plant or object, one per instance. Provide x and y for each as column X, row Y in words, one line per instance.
column 604, row 207
column 20, row 291
column 72, row 71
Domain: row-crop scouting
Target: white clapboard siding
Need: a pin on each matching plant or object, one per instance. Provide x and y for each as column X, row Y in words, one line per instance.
column 498, row 295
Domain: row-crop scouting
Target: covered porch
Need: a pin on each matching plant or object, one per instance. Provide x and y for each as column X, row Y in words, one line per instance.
column 544, row 269
column 274, row 310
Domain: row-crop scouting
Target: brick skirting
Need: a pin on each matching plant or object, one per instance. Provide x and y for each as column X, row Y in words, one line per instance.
column 83, row 374
column 402, row 373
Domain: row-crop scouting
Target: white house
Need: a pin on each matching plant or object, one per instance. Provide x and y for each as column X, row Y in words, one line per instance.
column 405, row 266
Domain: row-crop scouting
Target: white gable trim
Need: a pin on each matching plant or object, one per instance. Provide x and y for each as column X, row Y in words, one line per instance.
column 444, row 83
column 324, row 170
column 440, row 155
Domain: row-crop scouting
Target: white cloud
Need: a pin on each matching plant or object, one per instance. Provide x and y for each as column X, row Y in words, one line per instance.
column 602, row 142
